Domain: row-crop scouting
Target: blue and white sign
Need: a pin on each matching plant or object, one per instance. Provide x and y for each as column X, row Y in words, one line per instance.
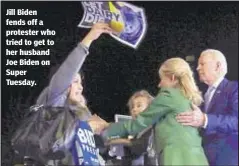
column 128, row 21
column 84, row 139
column 79, row 140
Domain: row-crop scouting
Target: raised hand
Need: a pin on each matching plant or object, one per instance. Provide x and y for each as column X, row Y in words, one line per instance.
column 96, row 30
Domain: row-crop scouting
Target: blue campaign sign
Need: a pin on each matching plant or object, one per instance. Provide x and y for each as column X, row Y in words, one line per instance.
column 79, row 140
column 84, row 150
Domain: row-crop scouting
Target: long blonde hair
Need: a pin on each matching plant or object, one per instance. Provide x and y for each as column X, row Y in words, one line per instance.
column 183, row 73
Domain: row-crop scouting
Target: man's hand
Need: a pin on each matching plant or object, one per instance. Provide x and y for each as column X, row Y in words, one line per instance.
column 96, row 30
column 195, row 117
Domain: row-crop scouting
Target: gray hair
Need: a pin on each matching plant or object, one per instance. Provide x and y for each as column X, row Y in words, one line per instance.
column 218, row 56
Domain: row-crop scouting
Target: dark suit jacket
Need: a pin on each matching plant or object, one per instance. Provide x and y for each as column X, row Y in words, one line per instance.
column 220, row 138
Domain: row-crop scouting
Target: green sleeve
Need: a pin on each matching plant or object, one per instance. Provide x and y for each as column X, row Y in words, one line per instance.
column 159, row 107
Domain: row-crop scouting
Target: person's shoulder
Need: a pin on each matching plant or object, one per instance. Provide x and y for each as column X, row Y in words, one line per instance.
column 169, row 94
column 170, row 91
column 232, row 84
column 229, row 87
column 234, row 87
column 171, row 97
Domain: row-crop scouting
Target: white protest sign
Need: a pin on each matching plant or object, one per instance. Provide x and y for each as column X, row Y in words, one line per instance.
column 127, row 20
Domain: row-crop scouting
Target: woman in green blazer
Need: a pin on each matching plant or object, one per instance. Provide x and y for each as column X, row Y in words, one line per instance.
column 175, row 144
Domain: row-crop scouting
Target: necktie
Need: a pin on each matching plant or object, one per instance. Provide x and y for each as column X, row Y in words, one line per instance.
column 207, row 98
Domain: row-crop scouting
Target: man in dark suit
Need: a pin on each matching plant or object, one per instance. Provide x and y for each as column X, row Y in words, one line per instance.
column 218, row 120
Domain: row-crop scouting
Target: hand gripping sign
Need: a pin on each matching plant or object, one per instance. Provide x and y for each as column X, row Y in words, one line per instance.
column 127, row 20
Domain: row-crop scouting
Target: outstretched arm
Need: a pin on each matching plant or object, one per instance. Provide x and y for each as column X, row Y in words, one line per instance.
column 160, row 106
column 62, row 79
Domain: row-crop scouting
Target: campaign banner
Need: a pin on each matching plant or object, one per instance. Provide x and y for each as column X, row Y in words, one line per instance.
column 85, row 142
column 79, row 140
column 127, row 20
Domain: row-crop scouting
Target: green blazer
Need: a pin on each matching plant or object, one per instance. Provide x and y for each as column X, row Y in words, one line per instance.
column 176, row 144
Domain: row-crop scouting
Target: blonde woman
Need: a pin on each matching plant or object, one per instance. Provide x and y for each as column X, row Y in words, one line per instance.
column 175, row 144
